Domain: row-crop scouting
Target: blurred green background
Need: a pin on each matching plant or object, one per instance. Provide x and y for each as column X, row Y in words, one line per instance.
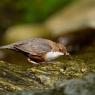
column 18, row 12
column 21, row 11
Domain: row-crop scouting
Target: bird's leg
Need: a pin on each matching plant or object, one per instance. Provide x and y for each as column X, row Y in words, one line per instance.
column 33, row 62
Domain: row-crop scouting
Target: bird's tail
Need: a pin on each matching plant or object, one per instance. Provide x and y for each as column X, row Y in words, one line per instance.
column 7, row 46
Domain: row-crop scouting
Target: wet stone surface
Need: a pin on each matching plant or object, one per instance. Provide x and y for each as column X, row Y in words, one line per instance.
column 18, row 77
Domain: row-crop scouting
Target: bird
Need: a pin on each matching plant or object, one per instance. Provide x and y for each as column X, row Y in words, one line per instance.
column 38, row 50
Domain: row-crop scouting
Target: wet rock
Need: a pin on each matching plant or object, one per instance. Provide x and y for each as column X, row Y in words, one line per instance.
column 82, row 86
column 78, row 39
column 62, row 76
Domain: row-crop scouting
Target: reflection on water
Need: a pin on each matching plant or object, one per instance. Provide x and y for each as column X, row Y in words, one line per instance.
column 13, row 57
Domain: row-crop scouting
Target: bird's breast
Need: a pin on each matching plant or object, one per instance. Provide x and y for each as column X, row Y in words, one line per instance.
column 52, row 55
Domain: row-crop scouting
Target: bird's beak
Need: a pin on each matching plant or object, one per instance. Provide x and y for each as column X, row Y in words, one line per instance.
column 69, row 56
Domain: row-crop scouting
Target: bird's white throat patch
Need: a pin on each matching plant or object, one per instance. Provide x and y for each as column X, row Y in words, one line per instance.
column 53, row 55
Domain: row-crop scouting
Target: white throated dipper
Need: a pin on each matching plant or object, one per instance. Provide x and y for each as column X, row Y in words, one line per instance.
column 38, row 49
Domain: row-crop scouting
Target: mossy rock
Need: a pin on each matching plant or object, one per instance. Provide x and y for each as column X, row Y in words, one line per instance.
column 18, row 77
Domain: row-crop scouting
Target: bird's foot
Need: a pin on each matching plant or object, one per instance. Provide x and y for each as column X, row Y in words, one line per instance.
column 33, row 62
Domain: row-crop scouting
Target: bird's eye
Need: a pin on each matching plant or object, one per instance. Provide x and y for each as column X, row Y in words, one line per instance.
column 60, row 49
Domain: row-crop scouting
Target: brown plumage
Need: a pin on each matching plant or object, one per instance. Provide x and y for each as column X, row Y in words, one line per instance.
column 36, row 49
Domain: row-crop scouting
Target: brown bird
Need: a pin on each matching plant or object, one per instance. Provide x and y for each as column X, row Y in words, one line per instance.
column 38, row 49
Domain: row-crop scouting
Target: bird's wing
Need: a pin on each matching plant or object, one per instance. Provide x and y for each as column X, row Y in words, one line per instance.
column 25, row 48
column 33, row 48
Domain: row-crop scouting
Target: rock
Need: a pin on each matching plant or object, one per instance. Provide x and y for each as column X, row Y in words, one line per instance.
column 67, row 87
column 78, row 15
column 21, row 32
column 77, row 40
column 63, row 76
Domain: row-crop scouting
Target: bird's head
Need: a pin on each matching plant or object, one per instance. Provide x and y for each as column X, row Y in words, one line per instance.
column 60, row 51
